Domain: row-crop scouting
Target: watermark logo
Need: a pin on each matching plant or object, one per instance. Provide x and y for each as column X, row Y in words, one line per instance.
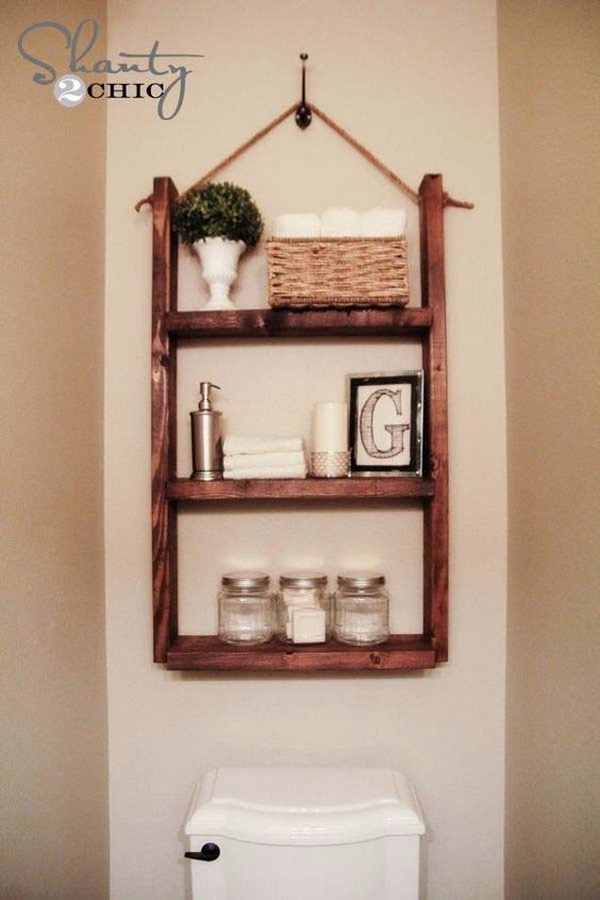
column 70, row 89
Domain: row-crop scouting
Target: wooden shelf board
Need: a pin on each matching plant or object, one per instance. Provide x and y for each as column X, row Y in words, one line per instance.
column 275, row 323
column 208, row 652
column 408, row 487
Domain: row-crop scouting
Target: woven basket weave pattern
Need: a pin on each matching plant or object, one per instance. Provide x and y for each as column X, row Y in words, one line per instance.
column 305, row 272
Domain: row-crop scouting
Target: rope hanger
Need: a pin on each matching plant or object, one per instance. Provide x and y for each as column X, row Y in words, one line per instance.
column 303, row 119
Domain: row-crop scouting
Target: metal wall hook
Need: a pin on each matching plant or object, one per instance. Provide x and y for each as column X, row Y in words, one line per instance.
column 303, row 113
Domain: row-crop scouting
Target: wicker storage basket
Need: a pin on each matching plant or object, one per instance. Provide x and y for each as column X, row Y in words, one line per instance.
column 339, row 272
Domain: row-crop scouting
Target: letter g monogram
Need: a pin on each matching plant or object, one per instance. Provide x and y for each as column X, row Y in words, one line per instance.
column 366, row 426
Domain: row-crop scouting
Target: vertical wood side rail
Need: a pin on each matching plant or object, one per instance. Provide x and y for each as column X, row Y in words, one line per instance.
column 164, row 423
column 435, row 563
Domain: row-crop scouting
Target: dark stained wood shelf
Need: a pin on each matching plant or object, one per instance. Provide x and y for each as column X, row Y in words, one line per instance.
column 275, row 323
column 208, row 652
column 301, row 489
column 170, row 327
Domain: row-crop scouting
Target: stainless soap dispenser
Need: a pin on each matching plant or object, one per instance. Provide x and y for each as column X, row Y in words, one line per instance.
column 207, row 444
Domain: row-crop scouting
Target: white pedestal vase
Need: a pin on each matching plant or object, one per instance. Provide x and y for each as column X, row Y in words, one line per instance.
column 219, row 258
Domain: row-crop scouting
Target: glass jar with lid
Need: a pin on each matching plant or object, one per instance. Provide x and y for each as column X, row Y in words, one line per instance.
column 361, row 609
column 245, row 608
column 303, row 608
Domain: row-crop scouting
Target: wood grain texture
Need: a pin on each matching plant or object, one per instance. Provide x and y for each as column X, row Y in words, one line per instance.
column 435, row 567
column 301, row 489
column 164, row 513
column 275, row 323
column 208, row 652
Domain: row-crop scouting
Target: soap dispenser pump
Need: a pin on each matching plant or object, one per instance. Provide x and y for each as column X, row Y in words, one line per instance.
column 207, row 444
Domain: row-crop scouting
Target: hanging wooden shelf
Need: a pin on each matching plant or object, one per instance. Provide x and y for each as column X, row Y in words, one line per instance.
column 170, row 327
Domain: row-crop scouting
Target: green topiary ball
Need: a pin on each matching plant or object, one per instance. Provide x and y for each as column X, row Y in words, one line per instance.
column 218, row 210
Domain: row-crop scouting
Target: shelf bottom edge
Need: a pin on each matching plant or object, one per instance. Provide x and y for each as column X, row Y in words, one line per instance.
column 278, row 658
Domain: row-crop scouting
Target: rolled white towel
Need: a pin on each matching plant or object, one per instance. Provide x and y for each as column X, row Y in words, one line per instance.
column 262, row 460
column 340, row 222
column 297, row 225
column 234, row 443
column 297, row 471
column 380, row 222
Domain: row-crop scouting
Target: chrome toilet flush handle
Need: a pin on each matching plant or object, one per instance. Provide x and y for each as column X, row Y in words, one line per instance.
column 209, row 853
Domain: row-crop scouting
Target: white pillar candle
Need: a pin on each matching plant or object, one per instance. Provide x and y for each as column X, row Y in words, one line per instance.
column 330, row 427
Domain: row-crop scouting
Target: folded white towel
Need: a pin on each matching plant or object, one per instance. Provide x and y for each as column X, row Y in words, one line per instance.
column 297, row 471
column 234, row 443
column 297, row 225
column 340, row 222
column 262, row 460
column 380, row 222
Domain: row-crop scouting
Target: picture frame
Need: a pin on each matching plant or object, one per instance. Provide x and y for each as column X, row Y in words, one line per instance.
column 385, row 427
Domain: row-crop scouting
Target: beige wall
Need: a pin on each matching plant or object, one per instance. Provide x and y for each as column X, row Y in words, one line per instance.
column 549, row 70
column 424, row 102
column 53, row 708
column 434, row 109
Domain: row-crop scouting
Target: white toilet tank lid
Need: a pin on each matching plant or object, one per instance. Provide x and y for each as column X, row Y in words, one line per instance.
column 304, row 805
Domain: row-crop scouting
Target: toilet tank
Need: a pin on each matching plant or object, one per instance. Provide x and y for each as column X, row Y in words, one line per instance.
column 305, row 834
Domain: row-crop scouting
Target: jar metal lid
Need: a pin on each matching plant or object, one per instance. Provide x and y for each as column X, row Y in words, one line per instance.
column 245, row 579
column 360, row 579
column 302, row 579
